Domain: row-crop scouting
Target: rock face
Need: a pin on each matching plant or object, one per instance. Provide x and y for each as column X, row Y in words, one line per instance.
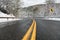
column 40, row 10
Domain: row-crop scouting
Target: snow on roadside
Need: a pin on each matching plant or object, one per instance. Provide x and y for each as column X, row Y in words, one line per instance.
column 5, row 15
column 5, row 19
column 54, row 19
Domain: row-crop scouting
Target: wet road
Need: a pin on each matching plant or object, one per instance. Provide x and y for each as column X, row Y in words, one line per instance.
column 14, row 30
column 48, row 29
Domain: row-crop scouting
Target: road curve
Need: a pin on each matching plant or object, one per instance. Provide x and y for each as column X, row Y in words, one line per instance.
column 48, row 29
column 14, row 30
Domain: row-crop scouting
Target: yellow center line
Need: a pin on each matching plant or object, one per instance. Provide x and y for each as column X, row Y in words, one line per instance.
column 28, row 33
column 33, row 37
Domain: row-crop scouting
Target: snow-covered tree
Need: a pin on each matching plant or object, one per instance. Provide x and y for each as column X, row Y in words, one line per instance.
column 11, row 6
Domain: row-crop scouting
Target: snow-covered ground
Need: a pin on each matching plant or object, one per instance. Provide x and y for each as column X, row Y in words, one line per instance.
column 5, row 19
column 5, row 15
column 54, row 19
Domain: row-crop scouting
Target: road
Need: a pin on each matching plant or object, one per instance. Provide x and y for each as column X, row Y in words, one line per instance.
column 14, row 30
column 46, row 29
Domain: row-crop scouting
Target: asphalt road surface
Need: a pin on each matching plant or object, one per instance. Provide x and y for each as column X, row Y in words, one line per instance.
column 48, row 29
column 15, row 30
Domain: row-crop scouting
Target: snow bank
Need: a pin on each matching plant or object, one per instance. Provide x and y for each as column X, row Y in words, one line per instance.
column 5, row 15
column 5, row 19
column 54, row 19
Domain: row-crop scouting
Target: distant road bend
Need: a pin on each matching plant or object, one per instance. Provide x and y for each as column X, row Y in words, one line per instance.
column 45, row 29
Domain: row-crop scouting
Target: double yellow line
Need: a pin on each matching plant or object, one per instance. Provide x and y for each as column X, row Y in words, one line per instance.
column 32, row 29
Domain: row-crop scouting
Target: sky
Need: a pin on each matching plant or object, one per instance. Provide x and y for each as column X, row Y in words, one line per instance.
column 33, row 2
column 58, row 1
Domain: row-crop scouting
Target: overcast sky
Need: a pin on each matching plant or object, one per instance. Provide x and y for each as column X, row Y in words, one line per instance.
column 33, row 2
column 58, row 1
